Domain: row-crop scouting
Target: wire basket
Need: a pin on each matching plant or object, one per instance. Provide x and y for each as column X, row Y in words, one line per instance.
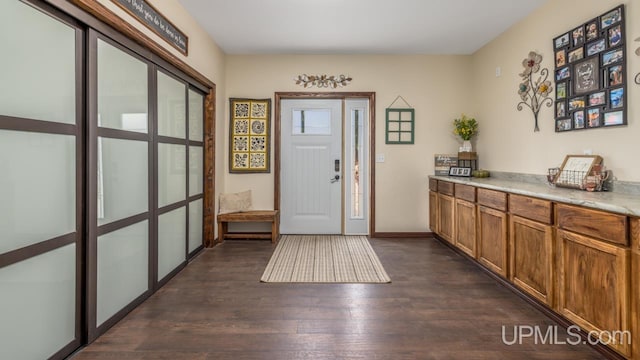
column 589, row 181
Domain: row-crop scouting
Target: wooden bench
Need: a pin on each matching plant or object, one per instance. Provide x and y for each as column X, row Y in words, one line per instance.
column 270, row 216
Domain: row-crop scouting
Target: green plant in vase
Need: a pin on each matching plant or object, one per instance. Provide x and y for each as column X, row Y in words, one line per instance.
column 465, row 127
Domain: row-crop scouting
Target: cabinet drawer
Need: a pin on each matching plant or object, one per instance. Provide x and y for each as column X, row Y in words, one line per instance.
column 466, row 192
column 445, row 187
column 531, row 208
column 433, row 184
column 493, row 199
column 599, row 224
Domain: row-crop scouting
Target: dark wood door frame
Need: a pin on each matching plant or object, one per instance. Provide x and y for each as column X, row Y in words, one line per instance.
column 371, row 96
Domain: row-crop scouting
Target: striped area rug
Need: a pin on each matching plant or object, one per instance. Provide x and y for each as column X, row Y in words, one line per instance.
column 324, row 259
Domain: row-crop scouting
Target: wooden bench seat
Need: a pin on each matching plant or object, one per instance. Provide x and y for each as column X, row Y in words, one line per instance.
column 269, row 216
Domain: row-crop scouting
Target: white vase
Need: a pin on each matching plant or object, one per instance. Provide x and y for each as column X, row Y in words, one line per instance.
column 466, row 146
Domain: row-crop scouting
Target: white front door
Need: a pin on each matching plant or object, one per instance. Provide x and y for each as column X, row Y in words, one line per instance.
column 311, row 167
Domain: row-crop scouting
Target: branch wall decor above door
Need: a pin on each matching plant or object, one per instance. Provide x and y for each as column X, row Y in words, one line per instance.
column 323, row 81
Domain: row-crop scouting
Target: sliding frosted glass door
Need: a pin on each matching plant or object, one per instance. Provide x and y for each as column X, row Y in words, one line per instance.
column 180, row 144
column 120, row 153
column 40, row 182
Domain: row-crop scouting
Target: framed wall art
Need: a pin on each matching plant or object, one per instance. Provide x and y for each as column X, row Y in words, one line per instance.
column 249, row 135
column 400, row 126
column 590, row 68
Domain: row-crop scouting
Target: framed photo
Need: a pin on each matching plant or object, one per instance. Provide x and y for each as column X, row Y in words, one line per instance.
column 460, row 171
column 613, row 118
column 578, row 119
column 576, row 54
column 615, row 75
column 563, row 73
column 599, row 98
column 592, row 30
column 561, row 90
column 561, row 109
column 563, row 125
column 561, row 41
column 616, row 98
column 612, row 56
column 561, row 58
column 615, row 36
column 612, row 17
column 593, row 117
column 575, row 168
column 577, row 36
column 576, row 103
column 586, row 76
column 596, row 47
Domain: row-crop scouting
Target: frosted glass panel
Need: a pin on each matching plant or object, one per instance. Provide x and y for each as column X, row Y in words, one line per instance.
column 312, row 122
column 196, row 172
column 37, row 306
column 123, row 188
column 172, row 242
column 37, row 187
column 196, row 116
column 37, row 66
column 195, row 224
column 122, row 90
column 172, row 109
column 123, row 258
column 172, row 174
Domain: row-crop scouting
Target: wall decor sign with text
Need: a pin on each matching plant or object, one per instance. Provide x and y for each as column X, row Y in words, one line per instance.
column 590, row 68
column 156, row 22
column 249, row 131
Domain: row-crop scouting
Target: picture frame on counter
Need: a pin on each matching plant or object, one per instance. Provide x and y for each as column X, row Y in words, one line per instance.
column 590, row 73
column 460, row 171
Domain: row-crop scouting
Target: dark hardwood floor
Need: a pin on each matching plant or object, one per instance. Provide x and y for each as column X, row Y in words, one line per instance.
column 438, row 306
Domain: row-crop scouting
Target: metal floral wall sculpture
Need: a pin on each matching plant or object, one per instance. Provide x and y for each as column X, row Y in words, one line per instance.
column 323, row 81
column 534, row 92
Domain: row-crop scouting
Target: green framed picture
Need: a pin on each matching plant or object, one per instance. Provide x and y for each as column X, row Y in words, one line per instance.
column 400, row 126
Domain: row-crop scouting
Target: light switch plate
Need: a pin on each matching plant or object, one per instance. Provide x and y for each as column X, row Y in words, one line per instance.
column 379, row 158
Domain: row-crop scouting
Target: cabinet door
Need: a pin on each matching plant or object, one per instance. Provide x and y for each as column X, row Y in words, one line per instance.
column 594, row 286
column 635, row 285
column 445, row 217
column 433, row 211
column 531, row 265
column 465, row 214
column 492, row 239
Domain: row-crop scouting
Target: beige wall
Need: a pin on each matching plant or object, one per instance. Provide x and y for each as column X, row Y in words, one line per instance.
column 506, row 141
column 436, row 86
column 439, row 88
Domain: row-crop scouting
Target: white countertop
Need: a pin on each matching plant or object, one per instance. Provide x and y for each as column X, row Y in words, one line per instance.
column 627, row 204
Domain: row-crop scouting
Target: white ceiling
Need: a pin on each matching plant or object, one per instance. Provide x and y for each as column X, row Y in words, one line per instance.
column 356, row 26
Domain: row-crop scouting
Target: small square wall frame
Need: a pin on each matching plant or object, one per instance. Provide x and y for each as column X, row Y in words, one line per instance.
column 400, row 126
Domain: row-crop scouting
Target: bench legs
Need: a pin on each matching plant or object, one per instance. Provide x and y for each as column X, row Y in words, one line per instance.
column 223, row 231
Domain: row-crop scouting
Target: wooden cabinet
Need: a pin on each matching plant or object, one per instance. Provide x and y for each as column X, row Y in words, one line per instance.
column 635, row 285
column 583, row 263
column 593, row 223
column 594, row 285
column 465, row 226
column 433, row 211
column 446, row 223
column 492, row 239
column 531, row 261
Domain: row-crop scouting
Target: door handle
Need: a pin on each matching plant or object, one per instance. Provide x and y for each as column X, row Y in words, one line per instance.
column 335, row 179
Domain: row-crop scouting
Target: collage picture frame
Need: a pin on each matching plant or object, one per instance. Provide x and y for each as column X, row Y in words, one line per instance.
column 590, row 74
